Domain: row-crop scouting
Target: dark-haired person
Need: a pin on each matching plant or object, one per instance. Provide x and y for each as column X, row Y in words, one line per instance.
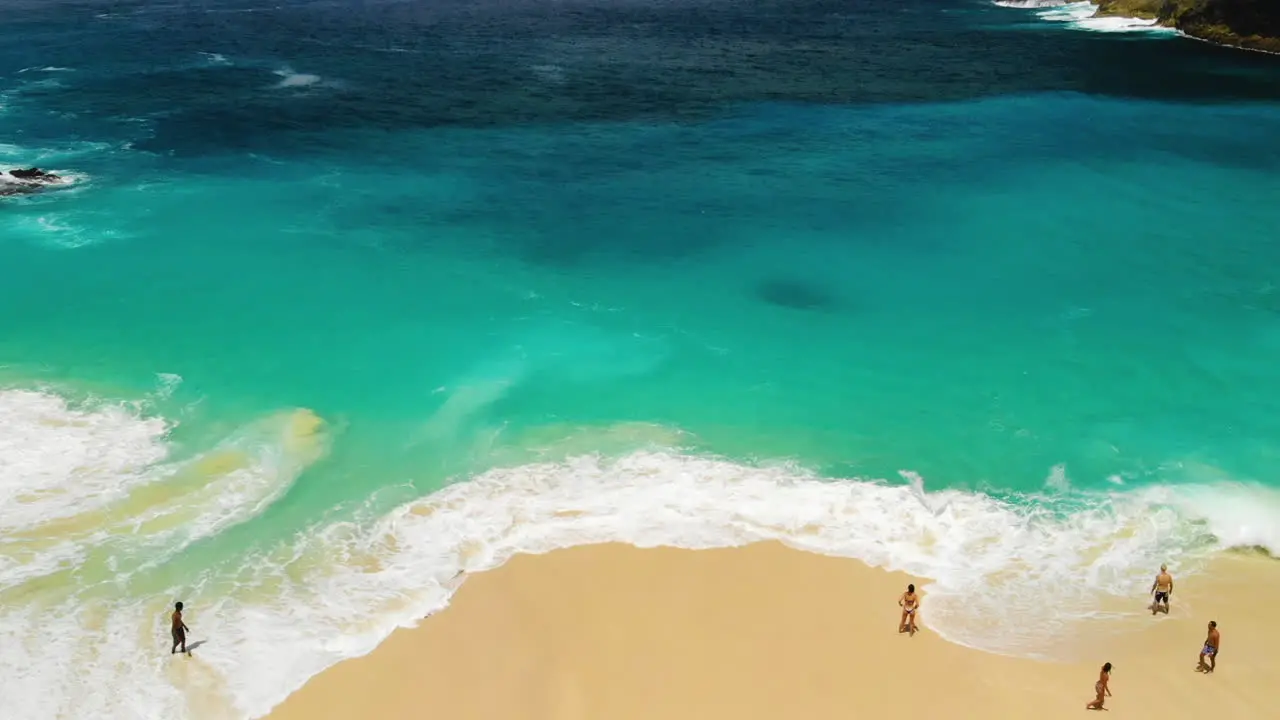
column 1212, row 644
column 1102, row 688
column 910, row 603
column 179, row 630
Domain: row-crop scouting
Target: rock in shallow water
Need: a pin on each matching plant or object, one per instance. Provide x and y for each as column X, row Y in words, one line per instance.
column 21, row 182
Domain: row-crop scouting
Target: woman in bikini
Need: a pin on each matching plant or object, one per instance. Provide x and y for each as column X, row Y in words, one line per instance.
column 910, row 602
column 1101, row 687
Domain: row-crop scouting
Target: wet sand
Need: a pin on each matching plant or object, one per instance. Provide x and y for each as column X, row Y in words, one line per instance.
column 615, row 632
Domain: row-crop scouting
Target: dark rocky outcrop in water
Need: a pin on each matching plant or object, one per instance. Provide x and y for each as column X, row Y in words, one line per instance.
column 22, row 182
column 1252, row 24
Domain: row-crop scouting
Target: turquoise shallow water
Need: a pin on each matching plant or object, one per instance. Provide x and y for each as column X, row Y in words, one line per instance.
column 841, row 294
column 298, row 360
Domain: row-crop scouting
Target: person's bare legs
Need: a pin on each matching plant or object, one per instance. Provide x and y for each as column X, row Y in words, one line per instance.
column 1096, row 704
column 902, row 624
column 1206, row 667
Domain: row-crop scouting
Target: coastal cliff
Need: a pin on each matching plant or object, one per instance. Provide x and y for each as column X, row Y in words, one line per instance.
column 1253, row 24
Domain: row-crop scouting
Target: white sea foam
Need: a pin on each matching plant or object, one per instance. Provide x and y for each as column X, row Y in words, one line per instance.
column 284, row 612
column 291, row 79
column 1239, row 515
column 57, row 461
column 60, row 230
column 95, row 489
column 1082, row 16
column 1124, row 25
column 994, row 562
column 1069, row 12
column 63, row 178
column 1031, row 4
column 27, row 156
column 168, row 383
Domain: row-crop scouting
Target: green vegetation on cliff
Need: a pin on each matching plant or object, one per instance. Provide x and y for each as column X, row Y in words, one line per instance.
column 1245, row 23
column 1145, row 9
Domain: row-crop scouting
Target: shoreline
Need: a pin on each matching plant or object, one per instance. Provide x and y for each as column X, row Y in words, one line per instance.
column 764, row 630
column 1172, row 16
column 1228, row 46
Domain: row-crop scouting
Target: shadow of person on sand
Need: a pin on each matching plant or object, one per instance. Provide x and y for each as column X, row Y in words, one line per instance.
column 195, row 645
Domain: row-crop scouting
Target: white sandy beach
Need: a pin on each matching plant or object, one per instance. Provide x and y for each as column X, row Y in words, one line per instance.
column 764, row 631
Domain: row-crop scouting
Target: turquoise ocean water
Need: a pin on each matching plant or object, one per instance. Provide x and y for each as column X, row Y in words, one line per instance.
column 348, row 297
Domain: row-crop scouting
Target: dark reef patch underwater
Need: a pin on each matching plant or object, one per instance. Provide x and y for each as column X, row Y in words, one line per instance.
column 384, row 66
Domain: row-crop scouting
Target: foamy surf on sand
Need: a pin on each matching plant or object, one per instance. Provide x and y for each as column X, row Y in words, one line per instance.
column 97, row 505
column 101, row 507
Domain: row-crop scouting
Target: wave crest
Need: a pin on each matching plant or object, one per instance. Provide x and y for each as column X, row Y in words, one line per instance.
column 1010, row 575
column 1031, row 4
column 1083, row 16
column 98, row 491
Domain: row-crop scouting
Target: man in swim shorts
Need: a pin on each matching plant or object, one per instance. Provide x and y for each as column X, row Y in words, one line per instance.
column 1162, row 588
column 1212, row 644
column 910, row 603
column 179, row 630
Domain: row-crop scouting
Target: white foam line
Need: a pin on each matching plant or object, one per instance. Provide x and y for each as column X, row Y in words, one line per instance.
column 1226, row 45
column 1083, row 16
column 1031, row 4
column 1007, row 575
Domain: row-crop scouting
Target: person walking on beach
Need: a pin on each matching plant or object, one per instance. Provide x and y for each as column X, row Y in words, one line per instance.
column 1102, row 688
column 1212, row 644
column 910, row 602
column 1161, row 589
column 179, row 630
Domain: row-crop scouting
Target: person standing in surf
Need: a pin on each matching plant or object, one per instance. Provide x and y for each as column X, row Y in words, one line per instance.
column 1161, row 589
column 910, row 603
column 1212, row 644
column 1102, row 688
column 179, row 630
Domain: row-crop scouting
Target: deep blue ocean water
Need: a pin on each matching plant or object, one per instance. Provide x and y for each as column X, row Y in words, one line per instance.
column 349, row 296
